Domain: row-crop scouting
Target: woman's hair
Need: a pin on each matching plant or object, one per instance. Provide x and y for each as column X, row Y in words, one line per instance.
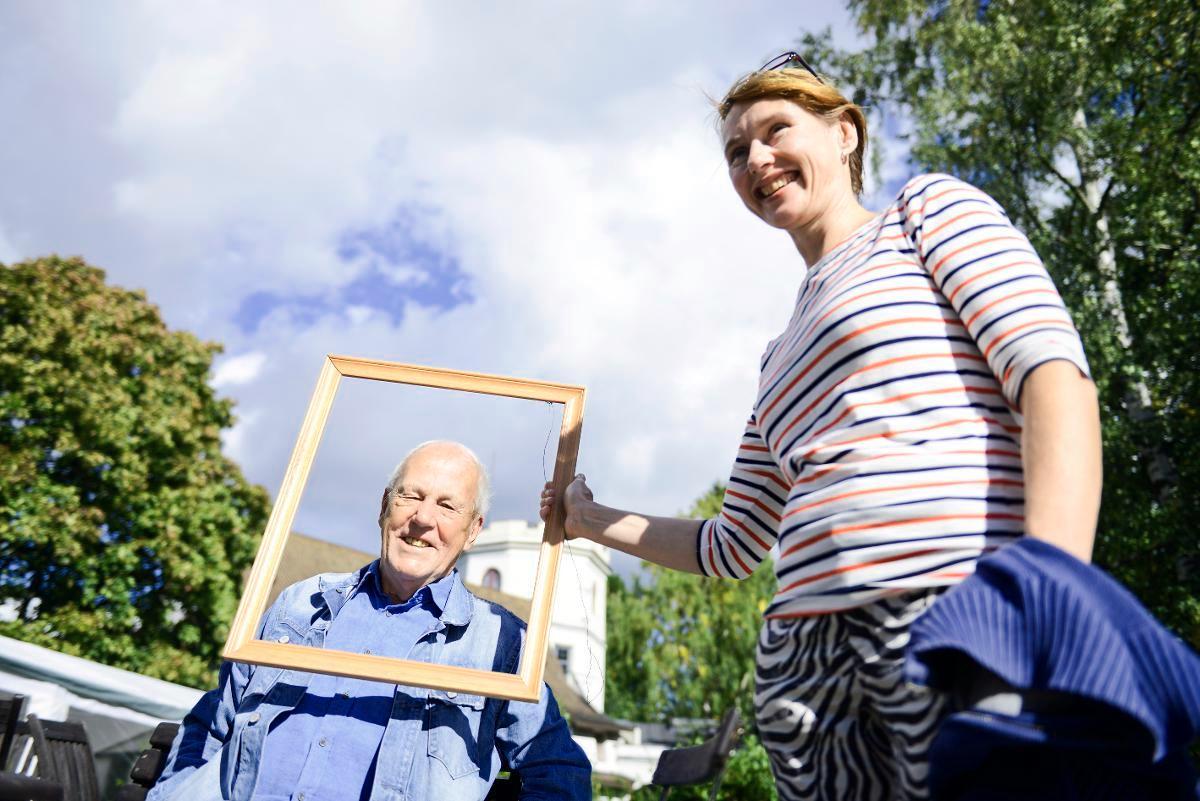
column 802, row 88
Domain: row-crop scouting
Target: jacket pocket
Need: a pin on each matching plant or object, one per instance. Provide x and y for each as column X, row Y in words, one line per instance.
column 455, row 721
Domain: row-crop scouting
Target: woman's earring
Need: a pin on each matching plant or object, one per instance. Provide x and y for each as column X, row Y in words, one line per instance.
column 844, row 157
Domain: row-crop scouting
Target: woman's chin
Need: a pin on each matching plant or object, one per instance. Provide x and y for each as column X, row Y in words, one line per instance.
column 783, row 219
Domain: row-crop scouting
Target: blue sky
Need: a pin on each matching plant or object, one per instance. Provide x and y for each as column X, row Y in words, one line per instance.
column 527, row 189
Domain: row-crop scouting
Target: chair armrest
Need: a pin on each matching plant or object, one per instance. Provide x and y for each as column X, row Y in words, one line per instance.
column 16, row 787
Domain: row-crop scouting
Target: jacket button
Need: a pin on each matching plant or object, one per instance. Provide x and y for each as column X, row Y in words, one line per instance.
column 284, row 638
column 323, row 742
column 254, row 717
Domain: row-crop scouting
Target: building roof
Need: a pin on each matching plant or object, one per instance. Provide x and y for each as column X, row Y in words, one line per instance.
column 307, row 556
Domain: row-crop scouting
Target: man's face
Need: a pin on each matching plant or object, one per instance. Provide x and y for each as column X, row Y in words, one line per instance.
column 431, row 519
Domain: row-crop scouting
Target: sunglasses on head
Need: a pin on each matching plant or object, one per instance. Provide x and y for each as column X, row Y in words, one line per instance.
column 789, row 60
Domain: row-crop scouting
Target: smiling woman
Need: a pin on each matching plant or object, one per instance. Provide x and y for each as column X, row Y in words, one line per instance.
column 791, row 143
column 927, row 403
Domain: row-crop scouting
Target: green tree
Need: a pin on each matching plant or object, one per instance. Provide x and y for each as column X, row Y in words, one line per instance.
column 682, row 645
column 124, row 531
column 1081, row 119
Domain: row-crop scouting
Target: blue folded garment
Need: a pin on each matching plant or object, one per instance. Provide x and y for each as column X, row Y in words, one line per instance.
column 1041, row 620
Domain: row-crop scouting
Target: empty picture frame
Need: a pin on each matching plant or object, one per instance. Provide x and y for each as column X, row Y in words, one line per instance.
column 525, row 684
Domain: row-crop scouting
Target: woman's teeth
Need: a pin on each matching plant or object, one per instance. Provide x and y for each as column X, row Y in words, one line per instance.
column 776, row 185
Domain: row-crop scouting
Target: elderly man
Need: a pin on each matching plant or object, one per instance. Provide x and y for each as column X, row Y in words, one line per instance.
column 269, row 734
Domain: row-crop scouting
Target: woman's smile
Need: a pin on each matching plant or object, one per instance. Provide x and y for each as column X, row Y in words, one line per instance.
column 774, row 186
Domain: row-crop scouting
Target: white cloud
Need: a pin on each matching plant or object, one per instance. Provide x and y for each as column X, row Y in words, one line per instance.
column 235, row 441
column 568, row 160
column 238, row 370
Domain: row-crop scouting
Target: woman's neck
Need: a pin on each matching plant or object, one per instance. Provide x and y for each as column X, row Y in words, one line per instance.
column 830, row 229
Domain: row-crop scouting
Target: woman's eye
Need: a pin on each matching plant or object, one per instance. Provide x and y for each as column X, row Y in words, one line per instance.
column 736, row 156
column 778, row 128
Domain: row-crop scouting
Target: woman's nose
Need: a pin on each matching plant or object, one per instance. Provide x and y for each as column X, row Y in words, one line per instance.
column 759, row 157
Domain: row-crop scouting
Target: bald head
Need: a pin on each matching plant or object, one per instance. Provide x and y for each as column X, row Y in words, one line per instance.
column 450, row 448
column 432, row 511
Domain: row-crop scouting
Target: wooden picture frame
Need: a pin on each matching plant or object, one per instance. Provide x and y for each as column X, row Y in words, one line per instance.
column 525, row 685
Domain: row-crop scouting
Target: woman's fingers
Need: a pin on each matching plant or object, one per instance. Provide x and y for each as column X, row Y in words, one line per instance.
column 548, row 499
column 577, row 490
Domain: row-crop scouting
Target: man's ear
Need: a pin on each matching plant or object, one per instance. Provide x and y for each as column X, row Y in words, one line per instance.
column 383, row 503
column 476, row 527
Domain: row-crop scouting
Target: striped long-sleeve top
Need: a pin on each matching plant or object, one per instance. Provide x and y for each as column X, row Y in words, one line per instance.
column 883, row 452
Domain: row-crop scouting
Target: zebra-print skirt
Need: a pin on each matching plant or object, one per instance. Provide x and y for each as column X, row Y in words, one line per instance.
column 833, row 709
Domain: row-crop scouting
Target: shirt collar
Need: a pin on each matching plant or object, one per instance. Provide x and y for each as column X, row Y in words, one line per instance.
column 438, row 592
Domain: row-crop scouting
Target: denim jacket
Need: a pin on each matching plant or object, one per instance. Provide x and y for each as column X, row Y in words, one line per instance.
column 437, row 744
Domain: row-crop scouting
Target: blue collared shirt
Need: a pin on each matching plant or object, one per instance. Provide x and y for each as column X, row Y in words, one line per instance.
column 332, row 737
column 436, row 745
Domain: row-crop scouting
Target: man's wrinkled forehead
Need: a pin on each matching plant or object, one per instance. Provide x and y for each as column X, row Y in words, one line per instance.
column 433, row 464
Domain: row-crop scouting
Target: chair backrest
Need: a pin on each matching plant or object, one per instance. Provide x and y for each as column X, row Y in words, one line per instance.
column 64, row 755
column 699, row 763
column 10, row 715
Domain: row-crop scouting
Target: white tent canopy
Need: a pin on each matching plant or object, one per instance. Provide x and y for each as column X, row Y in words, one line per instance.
column 91, row 680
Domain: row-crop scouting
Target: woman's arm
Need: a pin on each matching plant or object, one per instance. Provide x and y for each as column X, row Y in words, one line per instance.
column 1000, row 290
column 1060, row 453
column 666, row 541
column 732, row 545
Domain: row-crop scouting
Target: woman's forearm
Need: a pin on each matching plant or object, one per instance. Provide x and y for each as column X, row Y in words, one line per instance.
column 667, row 541
column 1060, row 453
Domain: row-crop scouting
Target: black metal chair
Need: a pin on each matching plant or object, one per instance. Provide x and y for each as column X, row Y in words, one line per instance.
column 699, row 763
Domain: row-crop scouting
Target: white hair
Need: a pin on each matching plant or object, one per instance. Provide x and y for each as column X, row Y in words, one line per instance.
column 483, row 485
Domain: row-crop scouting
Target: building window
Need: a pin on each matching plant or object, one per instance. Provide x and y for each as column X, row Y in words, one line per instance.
column 563, row 654
column 491, row 579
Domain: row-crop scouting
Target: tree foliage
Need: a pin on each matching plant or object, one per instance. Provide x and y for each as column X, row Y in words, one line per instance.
column 682, row 646
column 124, row 531
column 1081, row 118
column 747, row 777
